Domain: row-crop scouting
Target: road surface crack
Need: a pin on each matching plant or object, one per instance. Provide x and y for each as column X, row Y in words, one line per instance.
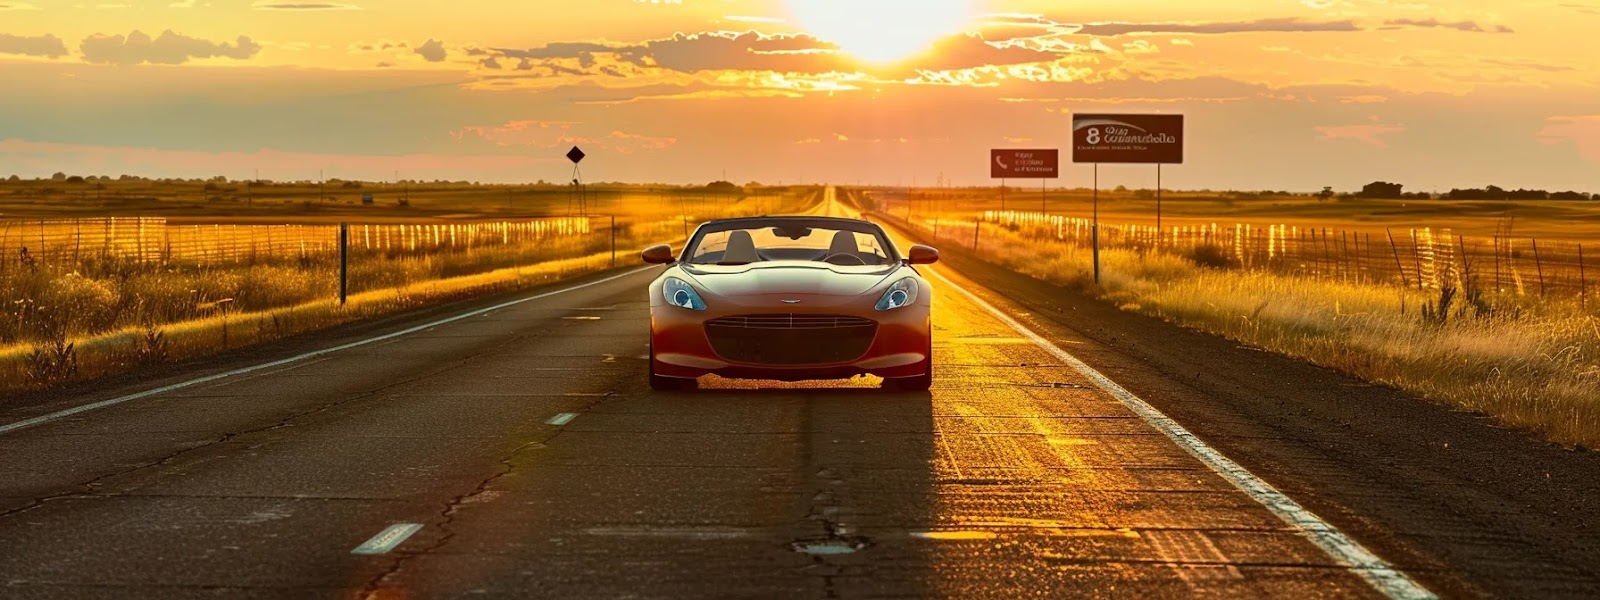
column 447, row 517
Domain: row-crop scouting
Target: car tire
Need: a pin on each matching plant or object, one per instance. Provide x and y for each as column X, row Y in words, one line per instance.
column 666, row 384
column 920, row 383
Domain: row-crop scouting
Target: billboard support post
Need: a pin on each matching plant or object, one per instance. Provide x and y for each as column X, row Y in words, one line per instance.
column 1044, row 197
column 1158, row 204
column 344, row 263
column 1002, row 194
column 1095, row 229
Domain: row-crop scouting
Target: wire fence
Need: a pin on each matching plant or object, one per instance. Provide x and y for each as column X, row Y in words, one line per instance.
column 146, row 240
column 1422, row 257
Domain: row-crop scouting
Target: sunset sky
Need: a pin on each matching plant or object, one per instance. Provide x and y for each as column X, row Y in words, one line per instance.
column 1280, row 94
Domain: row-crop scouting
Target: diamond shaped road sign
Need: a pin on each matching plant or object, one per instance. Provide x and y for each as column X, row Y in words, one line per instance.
column 576, row 155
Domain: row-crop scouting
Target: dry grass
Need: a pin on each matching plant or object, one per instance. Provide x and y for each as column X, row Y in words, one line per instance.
column 67, row 321
column 1530, row 363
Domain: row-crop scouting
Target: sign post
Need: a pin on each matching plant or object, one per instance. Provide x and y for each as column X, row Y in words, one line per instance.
column 576, row 156
column 1125, row 139
column 1038, row 164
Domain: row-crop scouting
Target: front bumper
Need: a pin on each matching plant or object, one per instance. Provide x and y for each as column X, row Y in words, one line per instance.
column 683, row 349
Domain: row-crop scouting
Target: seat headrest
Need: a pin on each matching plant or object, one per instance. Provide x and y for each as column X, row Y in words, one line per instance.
column 844, row 242
column 741, row 248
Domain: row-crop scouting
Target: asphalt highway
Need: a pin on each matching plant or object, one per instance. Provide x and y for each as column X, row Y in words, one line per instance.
column 516, row 451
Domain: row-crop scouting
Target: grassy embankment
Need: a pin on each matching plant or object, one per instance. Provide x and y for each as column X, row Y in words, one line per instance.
column 1529, row 362
column 67, row 322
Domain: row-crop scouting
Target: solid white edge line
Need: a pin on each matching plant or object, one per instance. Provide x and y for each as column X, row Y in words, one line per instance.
column 390, row 538
column 41, row 419
column 1375, row 571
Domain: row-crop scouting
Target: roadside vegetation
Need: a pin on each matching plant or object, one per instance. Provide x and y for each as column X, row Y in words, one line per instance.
column 85, row 315
column 1531, row 362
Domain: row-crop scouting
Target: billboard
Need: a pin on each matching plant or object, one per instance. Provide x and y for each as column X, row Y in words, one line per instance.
column 1025, row 164
column 1141, row 139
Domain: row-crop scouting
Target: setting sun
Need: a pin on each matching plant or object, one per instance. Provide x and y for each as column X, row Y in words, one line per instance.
column 883, row 30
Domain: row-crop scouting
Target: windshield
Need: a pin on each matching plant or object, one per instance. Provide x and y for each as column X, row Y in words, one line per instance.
column 839, row 243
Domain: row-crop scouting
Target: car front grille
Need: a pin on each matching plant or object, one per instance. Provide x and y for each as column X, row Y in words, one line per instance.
column 791, row 339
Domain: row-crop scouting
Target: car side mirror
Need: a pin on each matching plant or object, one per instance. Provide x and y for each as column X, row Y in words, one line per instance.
column 922, row 255
column 658, row 255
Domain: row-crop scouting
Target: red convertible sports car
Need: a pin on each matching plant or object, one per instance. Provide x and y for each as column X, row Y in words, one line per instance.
column 792, row 299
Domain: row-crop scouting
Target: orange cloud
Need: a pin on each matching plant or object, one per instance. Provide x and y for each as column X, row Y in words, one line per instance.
column 1582, row 131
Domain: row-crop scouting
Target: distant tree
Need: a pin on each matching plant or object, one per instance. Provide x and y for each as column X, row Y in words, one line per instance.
column 1121, row 189
column 1326, row 193
column 13, row 179
column 1489, row 193
column 1569, row 196
column 75, row 179
column 1382, row 189
column 723, row 187
column 59, row 176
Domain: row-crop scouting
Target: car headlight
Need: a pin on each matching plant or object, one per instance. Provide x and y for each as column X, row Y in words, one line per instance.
column 902, row 293
column 679, row 294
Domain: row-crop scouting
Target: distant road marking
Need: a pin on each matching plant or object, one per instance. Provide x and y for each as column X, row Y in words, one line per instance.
column 562, row 419
column 41, row 419
column 1375, row 571
column 387, row 539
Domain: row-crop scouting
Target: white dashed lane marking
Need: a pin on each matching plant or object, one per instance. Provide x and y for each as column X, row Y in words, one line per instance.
column 562, row 419
column 387, row 539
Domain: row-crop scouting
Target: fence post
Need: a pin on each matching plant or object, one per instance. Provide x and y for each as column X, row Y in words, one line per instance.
column 344, row 262
column 1397, row 265
column 613, row 241
column 1366, row 261
column 4, row 255
column 1538, row 266
column 977, row 226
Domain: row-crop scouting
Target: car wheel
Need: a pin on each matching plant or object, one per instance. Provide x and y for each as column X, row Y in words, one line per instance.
column 666, row 384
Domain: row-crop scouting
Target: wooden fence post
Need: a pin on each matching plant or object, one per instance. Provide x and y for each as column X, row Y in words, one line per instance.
column 1539, row 266
column 1403, row 281
column 1344, row 254
column 4, row 256
column 1366, row 261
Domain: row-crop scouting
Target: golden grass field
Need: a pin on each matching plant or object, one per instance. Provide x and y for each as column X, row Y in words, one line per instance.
column 1529, row 361
column 1552, row 219
column 86, row 302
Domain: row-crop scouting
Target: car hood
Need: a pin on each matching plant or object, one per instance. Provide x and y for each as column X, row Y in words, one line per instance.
column 789, row 277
